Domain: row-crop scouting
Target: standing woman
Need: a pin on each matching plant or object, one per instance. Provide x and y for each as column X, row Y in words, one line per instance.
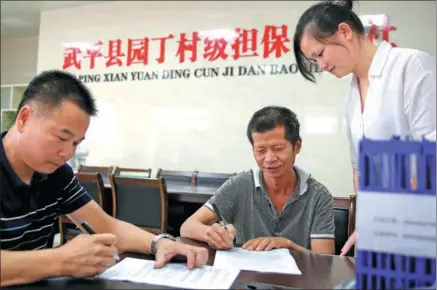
column 393, row 90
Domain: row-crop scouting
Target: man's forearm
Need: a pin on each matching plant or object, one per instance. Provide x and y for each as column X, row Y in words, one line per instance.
column 28, row 266
column 194, row 229
column 295, row 247
column 131, row 238
column 320, row 248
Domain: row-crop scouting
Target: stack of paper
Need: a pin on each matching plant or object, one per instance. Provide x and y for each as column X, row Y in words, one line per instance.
column 173, row 275
column 274, row 261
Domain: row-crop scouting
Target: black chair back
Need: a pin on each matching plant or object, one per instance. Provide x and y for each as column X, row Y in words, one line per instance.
column 344, row 219
column 341, row 228
column 142, row 202
column 93, row 184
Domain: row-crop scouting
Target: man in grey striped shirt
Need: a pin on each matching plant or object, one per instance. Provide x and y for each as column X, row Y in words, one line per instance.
column 277, row 204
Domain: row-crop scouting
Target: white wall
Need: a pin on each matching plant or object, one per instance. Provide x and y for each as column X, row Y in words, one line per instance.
column 200, row 124
column 18, row 60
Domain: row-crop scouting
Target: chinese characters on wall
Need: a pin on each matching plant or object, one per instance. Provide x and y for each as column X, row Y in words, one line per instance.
column 269, row 42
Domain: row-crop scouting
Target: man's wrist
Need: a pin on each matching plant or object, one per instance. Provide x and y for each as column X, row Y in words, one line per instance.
column 164, row 242
column 57, row 264
column 290, row 245
column 157, row 240
column 203, row 234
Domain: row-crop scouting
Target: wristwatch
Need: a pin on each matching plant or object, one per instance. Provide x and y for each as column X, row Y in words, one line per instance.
column 157, row 238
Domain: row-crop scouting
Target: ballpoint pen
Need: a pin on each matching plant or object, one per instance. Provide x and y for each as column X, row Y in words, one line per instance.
column 219, row 217
column 221, row 220
column 87, row 229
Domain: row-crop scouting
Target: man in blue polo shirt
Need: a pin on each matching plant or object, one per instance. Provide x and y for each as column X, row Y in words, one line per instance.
column 37, row 186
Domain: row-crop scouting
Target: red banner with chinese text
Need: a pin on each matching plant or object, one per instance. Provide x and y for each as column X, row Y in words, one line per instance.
column 270, row 41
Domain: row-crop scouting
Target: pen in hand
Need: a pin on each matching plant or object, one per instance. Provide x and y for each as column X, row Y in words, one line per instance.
column 90, row 231
column 87, row 229
column 221, row 220
column 219, row 217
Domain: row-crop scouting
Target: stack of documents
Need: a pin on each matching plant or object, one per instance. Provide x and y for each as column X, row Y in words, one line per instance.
column 227, row 266
column 173, row 275
column 274, row 261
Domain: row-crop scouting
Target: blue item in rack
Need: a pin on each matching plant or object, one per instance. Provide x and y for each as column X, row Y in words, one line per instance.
column 396, row 222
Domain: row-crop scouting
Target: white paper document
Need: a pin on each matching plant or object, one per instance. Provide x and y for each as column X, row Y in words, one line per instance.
column 274, row 261
column 172, row 274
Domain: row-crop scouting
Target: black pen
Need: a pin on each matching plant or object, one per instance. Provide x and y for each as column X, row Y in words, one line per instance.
column 219, row 216
column 221, row 220
column 87, row 229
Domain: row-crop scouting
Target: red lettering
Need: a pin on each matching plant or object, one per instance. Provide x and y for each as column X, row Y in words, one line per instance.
column 71, row 58
column 188, row 45
column 245, row 45
column 274, row 42
column 94, row 52
column 374, row 34
column 137, row 51
column 385, row 33
column 215, row 49
column 114, row 53
column 162, row 41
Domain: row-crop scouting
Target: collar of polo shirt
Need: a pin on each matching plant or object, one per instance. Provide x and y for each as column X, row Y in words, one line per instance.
column 303, row 177
column 16, row 182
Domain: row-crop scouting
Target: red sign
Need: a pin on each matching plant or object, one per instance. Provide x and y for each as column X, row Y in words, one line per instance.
column 375, row 34
column 377, row 27
column 272, row 41
column 190, row 47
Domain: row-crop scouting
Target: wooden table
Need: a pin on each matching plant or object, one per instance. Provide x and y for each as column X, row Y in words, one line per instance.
column 318, row 272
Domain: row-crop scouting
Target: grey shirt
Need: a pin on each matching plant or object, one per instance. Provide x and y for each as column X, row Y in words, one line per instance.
column 308, row 214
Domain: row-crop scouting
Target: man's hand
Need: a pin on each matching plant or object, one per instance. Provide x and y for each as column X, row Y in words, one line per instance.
column 348, row 245
column 167, row 249
column 87, row 255
column 267, row 244
column 219, row 238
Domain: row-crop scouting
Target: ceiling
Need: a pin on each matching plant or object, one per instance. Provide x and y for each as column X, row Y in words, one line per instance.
column 21, row 18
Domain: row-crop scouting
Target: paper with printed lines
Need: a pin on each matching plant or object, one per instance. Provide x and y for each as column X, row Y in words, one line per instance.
column 172, row 274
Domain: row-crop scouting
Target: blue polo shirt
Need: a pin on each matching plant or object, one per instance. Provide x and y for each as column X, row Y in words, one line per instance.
column 29, row 213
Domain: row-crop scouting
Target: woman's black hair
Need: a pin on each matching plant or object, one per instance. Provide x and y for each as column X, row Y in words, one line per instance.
column 324, row 18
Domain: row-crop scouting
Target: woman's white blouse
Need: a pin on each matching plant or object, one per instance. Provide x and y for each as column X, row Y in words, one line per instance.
column 401, row 99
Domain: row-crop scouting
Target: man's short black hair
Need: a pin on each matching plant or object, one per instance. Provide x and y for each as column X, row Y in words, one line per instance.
column 53, row 87
column 269, row 118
